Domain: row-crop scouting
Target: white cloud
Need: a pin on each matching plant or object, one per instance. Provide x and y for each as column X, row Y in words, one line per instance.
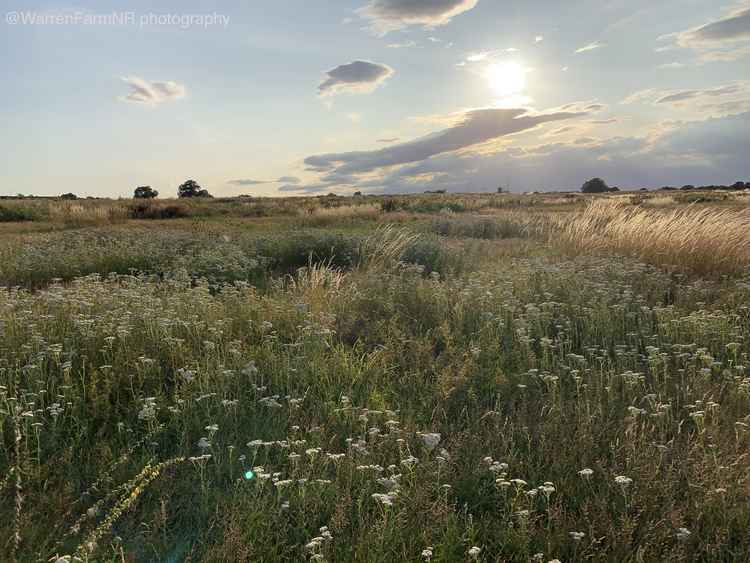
column 590, row 47
column 152, row 93
column 355, row 77
column 404, row 45
column 674, row 65
column 538, row 39
column 479, row 56
column 389, row 15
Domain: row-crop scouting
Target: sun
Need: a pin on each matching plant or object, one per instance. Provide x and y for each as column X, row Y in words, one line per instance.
column 506, row 79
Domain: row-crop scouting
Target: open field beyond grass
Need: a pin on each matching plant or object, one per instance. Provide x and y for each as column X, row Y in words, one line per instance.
column 428, row 378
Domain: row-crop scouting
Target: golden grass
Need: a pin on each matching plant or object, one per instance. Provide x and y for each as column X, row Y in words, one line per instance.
column 77, row 213
column 698, row 240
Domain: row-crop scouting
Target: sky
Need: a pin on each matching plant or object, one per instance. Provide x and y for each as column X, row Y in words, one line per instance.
column 299, row 97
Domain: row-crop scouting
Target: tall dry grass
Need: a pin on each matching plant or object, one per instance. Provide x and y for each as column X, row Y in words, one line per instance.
column 701, row 241
column 82, row 213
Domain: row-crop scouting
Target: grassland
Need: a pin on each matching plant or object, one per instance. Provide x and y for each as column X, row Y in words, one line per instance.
column 429, row 378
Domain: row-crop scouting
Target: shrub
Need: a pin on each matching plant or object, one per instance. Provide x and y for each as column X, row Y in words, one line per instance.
column 508, row 226
column 595, row 186
column 147, row 210
column 428, row 253
column 13, row 214
column 389, row 205
column 145, row 192
column 287, row 254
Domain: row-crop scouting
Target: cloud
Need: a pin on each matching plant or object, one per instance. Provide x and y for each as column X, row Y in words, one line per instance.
column 733, row 97
column 479, row 56
column 561, row 130
column 389, row 15
column 308, row 188
column 404, row 45
column 250, row 182
column 604, row 121
column 474, row 127
column 733, row 27
column 674, row 65
column 538, row 39
column 682, row 95
column 698, row 152
column 355, row 77
column 391, row 140
column 590, row 47
column 152, row 93
column 288, row 180
column 717, row 40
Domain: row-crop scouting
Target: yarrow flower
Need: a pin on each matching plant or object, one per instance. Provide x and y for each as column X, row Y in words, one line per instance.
column 683, row 534
column 586, row 473
column 576, row 536
column 430, row 440
column 623, row 481
column 474, row 552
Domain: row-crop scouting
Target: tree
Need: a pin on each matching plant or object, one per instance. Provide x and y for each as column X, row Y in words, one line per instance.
column 500, row 190
column 69, row 196
column 191, row 188
column 145, row 192
column 595, row 186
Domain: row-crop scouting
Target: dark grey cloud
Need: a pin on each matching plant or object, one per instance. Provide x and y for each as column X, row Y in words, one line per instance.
column 475, row 127
column 706, row 151
column 152, row 93
column 721, row 100
column 684, row 95
column 357, row 76
column 733, row 27
column 390, row 15
column 724, row 39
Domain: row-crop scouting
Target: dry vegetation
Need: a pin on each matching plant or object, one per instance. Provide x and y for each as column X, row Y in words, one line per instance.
column 376, row 379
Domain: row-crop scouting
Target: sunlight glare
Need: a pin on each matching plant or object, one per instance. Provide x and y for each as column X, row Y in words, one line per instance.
column 506, row 78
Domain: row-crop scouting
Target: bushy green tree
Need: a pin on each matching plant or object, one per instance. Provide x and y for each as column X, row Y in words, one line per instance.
column 191, row 188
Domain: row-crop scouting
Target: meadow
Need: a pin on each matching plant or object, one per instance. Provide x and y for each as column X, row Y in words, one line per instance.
column 434, row 378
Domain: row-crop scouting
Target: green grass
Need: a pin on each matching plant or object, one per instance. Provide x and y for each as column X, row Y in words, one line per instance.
column 229, row 395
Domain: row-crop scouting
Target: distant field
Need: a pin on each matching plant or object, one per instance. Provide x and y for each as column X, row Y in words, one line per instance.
column 442, row 377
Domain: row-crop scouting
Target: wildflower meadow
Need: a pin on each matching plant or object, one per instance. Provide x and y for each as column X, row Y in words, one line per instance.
column 435, row 379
